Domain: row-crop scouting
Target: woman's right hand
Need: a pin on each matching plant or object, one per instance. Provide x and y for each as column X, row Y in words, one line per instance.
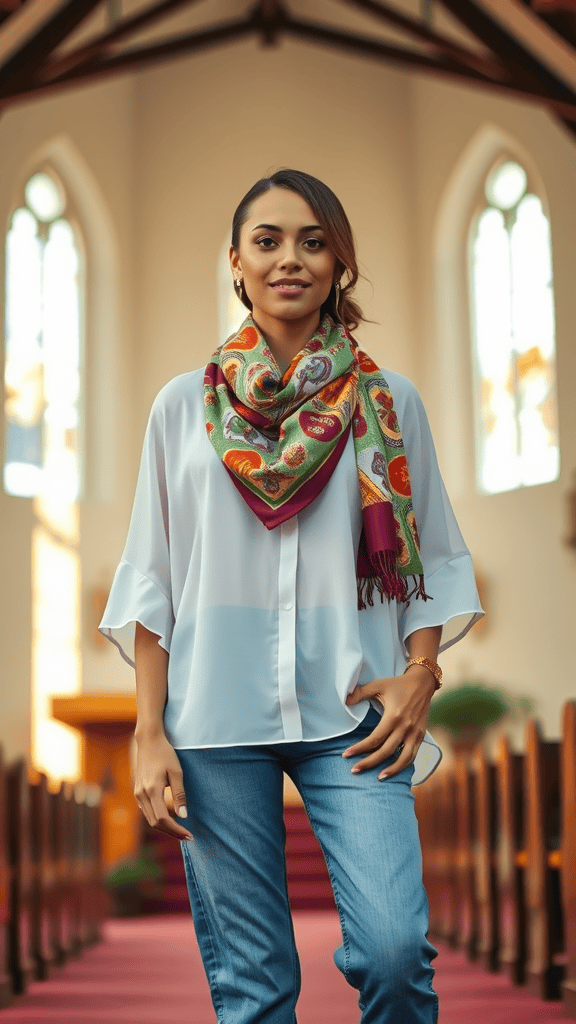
column 157, row 766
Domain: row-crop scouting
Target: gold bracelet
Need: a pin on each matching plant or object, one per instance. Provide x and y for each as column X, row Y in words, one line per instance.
column 432, row 665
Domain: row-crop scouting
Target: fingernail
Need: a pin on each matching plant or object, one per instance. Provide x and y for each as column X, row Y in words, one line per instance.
column 182, row 812
column 347, row 752
column 355, row 769
column 383, row 775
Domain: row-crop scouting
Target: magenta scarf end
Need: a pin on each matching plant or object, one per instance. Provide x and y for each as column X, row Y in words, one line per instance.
column 390, row 586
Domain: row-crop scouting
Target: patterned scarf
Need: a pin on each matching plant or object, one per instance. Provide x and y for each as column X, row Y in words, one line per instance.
column 280, row 438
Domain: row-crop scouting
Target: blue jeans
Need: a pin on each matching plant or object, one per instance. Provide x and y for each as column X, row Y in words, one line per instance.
column 236, row 878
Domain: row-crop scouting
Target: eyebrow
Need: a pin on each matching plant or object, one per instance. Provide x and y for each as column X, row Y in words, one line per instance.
column 274, row 227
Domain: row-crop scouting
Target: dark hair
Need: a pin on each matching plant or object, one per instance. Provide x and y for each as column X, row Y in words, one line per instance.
column 338, row 232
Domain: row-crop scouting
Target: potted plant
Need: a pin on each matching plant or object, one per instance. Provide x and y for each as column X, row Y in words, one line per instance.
column 131, row 880
column 469, row 709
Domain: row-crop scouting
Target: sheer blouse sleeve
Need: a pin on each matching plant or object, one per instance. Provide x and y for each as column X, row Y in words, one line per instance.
column 447, row 563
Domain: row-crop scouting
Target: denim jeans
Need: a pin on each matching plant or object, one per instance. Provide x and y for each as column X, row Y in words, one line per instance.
column 236, row 878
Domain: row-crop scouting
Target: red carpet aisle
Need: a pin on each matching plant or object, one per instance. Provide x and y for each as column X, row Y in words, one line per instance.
column 148, row 971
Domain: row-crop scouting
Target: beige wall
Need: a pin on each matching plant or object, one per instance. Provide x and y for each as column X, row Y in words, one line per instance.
column 170, row 152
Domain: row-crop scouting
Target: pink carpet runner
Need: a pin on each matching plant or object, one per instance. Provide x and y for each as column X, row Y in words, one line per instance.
column 148, row 971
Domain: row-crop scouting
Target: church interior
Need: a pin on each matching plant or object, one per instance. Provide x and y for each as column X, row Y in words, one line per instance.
column 129, row 131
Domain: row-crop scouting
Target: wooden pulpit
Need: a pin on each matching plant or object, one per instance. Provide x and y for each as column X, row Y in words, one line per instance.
column 106, row 722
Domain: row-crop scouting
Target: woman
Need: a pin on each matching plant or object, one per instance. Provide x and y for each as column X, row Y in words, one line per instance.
column 279, row 487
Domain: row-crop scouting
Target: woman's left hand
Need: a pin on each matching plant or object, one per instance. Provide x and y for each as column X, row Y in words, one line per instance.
column 406, row 701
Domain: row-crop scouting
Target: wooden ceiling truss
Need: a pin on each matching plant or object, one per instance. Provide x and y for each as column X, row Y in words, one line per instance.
column 30, row 67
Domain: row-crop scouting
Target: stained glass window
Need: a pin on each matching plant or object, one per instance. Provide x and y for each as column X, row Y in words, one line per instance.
column 514, row 336
column 42, row 332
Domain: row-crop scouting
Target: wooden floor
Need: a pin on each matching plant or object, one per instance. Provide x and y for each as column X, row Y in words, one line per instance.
column 148, row 971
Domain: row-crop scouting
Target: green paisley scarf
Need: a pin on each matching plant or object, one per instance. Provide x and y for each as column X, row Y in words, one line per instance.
column 280, row 438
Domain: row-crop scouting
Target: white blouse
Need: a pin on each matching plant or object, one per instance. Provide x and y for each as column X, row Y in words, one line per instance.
column 263, row 629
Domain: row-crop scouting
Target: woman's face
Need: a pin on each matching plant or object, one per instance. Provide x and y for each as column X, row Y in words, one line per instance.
column 280, row 239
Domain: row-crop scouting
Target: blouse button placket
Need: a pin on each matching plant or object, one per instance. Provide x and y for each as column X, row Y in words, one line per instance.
column 287, row 569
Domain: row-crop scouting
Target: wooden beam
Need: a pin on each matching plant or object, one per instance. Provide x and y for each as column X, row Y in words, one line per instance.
column 21, row 66
column 99, row 69
column 553, row 6
column 549, row 48
column 525, row 68
column 18, row 26
column 268, row 18
column 106, row 41
column 491, row 67
column 368, row 47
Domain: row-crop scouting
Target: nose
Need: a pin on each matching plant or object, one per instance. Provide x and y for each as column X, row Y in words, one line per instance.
column 288, row 257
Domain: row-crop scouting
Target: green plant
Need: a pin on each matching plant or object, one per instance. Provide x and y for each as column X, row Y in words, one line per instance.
column 133, row 871
column 472, row 706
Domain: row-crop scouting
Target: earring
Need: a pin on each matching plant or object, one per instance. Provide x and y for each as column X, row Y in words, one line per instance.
column 238, row 281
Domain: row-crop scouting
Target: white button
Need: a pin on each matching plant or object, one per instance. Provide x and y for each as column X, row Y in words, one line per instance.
column 288, row 606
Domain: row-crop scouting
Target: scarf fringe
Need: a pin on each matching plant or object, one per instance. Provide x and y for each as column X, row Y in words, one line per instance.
column 388, row 582
column 419, row 590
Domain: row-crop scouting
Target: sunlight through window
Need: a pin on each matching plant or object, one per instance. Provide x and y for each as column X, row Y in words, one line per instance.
column 42, row 449
column 42, row 383
column 514, row 337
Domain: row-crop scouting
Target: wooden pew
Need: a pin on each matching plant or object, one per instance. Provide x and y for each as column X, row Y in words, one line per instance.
column 467, row 926
column 425, row 809
column 429, row 812
column 75, row 893
column 484, row 859
column 512, row 876
column 510, row 862
column 63, row 940
column 436, row 810
column 43, row 893
column 89, row 865
column 100, row 902
column 79, row 866
column 568, row 853
column 5, row 985
column 53, row 897
column 447, row 828
column 20, row 957
column 81, row 901
column 544, row 933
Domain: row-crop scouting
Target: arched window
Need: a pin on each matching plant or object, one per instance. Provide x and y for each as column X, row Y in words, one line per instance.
column 44, row 291
column 44, row 300
column 513, row 328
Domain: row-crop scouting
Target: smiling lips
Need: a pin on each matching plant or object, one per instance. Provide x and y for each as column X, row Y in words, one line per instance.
column 288, row 287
